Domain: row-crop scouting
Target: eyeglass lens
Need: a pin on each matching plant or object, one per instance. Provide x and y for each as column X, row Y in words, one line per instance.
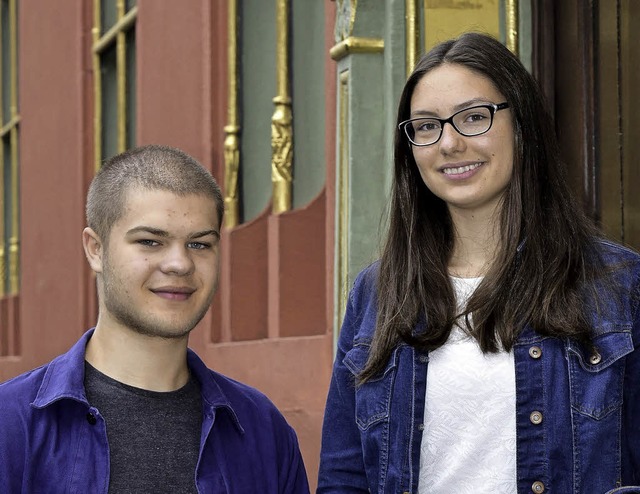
column 469, row 122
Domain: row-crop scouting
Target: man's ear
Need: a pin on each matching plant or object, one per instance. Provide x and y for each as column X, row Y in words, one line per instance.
column 93, row 249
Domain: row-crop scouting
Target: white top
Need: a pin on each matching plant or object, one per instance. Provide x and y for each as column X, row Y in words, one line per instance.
column 469, row 439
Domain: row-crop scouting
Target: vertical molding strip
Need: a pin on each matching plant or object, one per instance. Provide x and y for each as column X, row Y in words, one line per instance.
column 116, row 33
column 282, row 119
column 512, row 19
column 3, row 269
column 121, row 74
column 14, row 241
column 342, row 194
column 97, row 88
column 232, row 129
column 412, row 34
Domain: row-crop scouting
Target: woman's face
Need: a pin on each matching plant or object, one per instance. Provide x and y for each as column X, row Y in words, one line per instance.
column 469, row 173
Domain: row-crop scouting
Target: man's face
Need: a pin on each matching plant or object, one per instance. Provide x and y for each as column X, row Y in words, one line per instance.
column 159, row 270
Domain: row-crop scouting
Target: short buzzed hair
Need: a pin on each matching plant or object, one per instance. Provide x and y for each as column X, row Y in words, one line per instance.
column 150, row 167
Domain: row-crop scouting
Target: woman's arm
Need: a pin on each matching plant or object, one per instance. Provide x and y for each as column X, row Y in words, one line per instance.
column 342, row 467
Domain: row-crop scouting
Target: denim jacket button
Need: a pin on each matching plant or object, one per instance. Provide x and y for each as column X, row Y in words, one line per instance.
column 421, row 427
column 536, row 418
column 537, row 487
column 595, row 358
column 535, row 352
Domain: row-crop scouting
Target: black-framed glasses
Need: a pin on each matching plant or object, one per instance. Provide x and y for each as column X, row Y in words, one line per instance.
column 425, row 131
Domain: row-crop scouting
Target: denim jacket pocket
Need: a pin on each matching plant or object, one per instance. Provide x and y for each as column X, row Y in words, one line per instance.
column 596, row 380
column 373, row 398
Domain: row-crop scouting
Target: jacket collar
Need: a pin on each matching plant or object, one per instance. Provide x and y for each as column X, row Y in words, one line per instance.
column 64, row 379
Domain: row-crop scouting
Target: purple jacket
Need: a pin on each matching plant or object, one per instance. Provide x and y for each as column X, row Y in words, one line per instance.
column 53, row 441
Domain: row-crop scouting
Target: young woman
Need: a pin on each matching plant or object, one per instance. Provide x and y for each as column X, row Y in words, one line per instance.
column 494, row 346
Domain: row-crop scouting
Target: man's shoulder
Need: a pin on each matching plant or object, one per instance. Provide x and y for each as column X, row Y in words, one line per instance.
column 248, row 407
column 242, row 397
column 24, row 387
column 16, row 412
column 58, row 378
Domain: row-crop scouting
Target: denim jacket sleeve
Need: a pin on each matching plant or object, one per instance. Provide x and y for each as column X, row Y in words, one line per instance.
column 342, row 468
column 631, row 402
column 625, row 272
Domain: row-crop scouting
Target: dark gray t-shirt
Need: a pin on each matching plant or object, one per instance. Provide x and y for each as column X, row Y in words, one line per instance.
column 154, row 438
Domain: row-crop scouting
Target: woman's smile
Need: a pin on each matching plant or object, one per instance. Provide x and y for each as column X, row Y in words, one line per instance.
column 461, row 170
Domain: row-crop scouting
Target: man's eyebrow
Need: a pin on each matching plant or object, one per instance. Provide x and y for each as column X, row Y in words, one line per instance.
column 204, row 233
column 148, row 229
column 164, row 234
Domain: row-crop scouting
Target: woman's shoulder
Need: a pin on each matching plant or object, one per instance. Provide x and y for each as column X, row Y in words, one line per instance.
column 365, row 285
column 613, row 253
column 616, row 282
column 369, row 275
column 361, row 310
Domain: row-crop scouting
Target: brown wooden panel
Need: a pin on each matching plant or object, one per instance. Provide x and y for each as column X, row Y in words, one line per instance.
column 608, row 92
column 575, row 98
column 543, row 47
column 630, row 105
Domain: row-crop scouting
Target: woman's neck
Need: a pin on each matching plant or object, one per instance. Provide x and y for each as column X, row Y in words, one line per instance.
column 476, row 242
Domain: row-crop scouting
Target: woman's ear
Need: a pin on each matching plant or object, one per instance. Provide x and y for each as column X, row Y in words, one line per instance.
column 93, row 249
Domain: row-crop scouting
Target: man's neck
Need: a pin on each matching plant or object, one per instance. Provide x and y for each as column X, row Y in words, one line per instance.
column 152, row 363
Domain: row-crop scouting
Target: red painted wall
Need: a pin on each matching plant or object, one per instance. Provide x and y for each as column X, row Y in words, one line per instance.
column 53, row 105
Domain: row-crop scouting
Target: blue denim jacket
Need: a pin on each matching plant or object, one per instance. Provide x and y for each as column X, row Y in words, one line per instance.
column 53, row 441
column 587, row 443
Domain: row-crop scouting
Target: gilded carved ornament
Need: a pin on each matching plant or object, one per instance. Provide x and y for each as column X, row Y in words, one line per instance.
column 345, row 18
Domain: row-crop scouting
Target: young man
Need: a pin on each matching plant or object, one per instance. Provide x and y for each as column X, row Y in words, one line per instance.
column 129, row 408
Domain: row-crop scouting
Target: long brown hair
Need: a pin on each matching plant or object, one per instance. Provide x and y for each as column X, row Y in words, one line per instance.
column 546, row 242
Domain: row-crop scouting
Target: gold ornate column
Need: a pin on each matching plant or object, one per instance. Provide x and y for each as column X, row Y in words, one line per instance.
column 14, row 239
column 232, row 129
column 282, row 119
column 342, row 196
column 2, row 253
column 3, row 206
column 121, row 71
column 512, row 20
column 346, row 43
column 97, row 87
column 412, row 34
